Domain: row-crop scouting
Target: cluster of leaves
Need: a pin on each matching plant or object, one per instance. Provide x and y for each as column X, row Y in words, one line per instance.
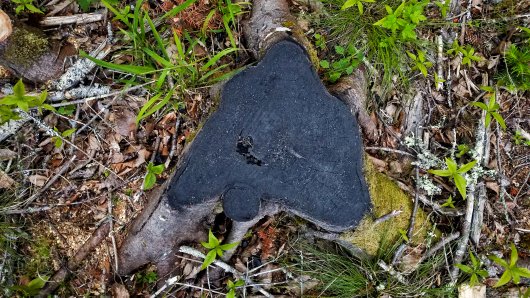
column 150, row 176
column 58, row 139
column 420, row 62
column 467, row 52
column 358, row 3
column 19, row 100
column 347, row 60
column 474, row 270
column 455, row 173
column 153, row 62
column 405, row 18
column 511, row 270
column 25, row 5
column 232, row 286
column 32, row 288
column 491, row 108
column 215, row 249
column 519, row 139
column 147, row 278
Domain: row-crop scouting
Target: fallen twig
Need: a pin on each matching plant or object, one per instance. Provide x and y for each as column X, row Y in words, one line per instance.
column 441, row 244
column 82, row 18
column 390, row 150
column 387, row 216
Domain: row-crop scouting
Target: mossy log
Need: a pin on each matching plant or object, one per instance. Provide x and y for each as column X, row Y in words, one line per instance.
column 28, row 52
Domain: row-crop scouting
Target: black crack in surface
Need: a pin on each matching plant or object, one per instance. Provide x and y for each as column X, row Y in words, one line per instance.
column 278, row 136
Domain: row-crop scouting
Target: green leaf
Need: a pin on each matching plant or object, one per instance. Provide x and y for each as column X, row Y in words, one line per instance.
column 474, row 260
column 210, row 258
column 479, row 105
column 465, row 168
column 505, row 278
column 334, row 76
column 231, row 294
column 218, row 56
column 483, row 273
column 68, row 132
column 212, row 239
column 149, row 181
column 157, row 170
column 461, row 184
column 422, row 69
column 464, row 268
column 408, row 32
column 84, row 4
column 513, row 256
column 360, row 7
column 19, row 90
column 174, row 11
column 499, row 261
column 33, row 9
column 487, row 121
column 521, row 271
column 451, row 165
column 499, row 119
column 339, row 50
column 229, row 246
column 473, row 280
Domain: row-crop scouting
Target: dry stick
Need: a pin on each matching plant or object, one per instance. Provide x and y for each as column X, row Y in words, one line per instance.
column 92, row 242
column 480, row 148
column 227, row 268
column 111, row 234
column 84, row 100
column 387, row 216
column 441, row 244
column 500, row 173
column 83, row 18
column 174, row 144
column 439, row 62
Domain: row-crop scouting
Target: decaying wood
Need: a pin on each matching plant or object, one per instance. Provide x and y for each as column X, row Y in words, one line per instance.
column 353, row 90
column 28, row 52
column 83, row 18
column 59, row 276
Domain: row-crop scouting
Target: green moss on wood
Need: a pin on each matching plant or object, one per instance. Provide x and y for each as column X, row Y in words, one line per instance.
column 25, row 46
column 386, row 196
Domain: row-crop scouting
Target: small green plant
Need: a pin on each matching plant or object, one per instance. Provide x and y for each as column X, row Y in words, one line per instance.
column 449, row 202
column 491, row 108
column 216, row 249
column 455, row 173
column 516, row 77
column 468, row 55
column 32, row 288
column 85, row 4
column 320, row 41
column 511, row 270
column 358, row 3
column 519, row 139
column 58, row 140
column 438, row 80
column 23, row 5
column 455, row 49
column 19, row 100
column 420, row 62
column 404, row 18
column 150, row 177
column 149, row 278
column 462, row 150
column 231, row 286
column 404, row 235
column 348, row 59
column 474, row 270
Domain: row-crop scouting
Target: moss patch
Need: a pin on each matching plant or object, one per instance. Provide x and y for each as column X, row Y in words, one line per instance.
column 386, row 197
column 25, row 46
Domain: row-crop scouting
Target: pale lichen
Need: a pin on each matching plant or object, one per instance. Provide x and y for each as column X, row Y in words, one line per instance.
column 426, row 184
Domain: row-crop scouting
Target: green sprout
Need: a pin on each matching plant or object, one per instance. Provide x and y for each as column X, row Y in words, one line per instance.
column 231, row 286
column 511, row 271
column 58, row 139
column 358, row 3
column 420, row 62
column 449, row 202
column 455, row 173
column 25, row 5
column 216, row 249
column 150, row 177
column 473, row 270
column 19, row 100
column 491, row 108
column 468, row 55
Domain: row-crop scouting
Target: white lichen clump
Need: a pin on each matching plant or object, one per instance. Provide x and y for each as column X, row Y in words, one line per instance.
column 428, row 186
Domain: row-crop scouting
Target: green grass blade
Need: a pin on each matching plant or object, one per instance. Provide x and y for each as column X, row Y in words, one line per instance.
column 132, row 69
column 218, row 56
column 158, row 39
column 175, row 10
column 158, row 59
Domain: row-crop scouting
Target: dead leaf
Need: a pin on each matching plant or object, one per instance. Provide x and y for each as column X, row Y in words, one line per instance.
column 124, row 121
column 38, row 180
column 6, row 154
column 6, row 181
column 119, row 291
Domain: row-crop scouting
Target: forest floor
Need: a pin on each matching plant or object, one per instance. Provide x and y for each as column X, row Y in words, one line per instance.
column 448, row 83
